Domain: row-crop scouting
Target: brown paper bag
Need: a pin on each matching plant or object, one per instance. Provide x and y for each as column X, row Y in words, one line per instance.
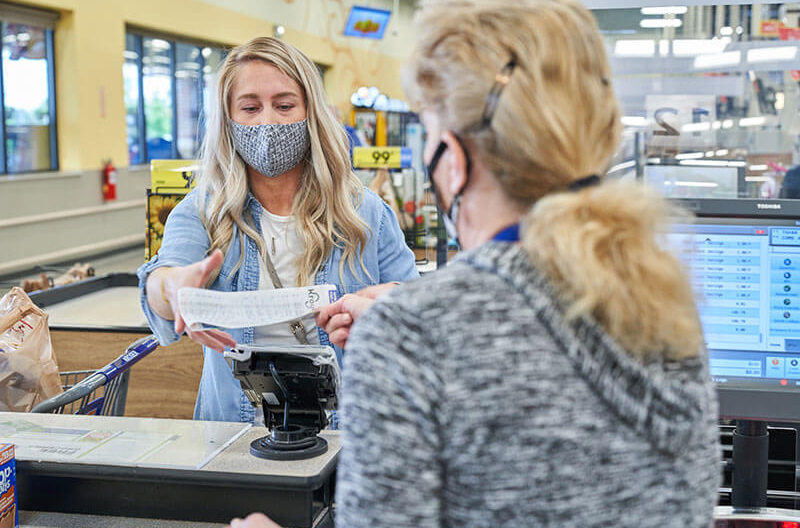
column 28, row 369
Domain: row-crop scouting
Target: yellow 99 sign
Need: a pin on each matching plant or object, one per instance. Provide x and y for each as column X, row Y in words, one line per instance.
column 381, row 157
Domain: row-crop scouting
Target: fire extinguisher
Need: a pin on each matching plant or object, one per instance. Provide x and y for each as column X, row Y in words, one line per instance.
column 109, row 182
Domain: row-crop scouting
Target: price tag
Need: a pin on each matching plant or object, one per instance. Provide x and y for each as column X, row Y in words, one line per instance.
column 381, row 157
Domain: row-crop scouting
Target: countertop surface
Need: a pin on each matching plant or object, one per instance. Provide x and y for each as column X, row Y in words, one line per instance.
column 151, row 443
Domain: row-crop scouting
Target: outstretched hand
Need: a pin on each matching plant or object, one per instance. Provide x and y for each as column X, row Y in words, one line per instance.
column 195, row 275
column 337, row 318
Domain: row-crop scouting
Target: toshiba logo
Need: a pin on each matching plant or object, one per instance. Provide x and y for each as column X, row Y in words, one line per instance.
column 768, row 206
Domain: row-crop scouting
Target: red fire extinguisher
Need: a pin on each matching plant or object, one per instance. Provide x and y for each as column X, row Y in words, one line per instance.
column 109, row 182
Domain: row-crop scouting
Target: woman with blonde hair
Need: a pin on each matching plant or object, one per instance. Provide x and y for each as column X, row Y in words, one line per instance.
column 276, row 205
column 554, row 374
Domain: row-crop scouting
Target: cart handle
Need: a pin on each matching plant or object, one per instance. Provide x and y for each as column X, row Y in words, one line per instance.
column 135, row 351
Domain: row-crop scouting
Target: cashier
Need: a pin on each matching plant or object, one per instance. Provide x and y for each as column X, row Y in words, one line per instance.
column 555, row 373
column 276, row 205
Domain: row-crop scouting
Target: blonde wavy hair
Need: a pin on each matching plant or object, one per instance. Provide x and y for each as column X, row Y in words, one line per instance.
column 329, row 193
column 556, row 121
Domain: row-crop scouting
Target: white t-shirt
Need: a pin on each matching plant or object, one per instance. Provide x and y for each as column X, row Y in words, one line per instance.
column 284, row 247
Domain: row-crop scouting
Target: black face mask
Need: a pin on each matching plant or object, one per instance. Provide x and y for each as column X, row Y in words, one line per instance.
column 450, row 214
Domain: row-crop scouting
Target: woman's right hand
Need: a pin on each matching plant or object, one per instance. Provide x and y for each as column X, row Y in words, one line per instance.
column 337, row 318
column 162, row 294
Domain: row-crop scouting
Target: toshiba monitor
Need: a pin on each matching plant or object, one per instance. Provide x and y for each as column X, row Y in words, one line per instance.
column 744, row 261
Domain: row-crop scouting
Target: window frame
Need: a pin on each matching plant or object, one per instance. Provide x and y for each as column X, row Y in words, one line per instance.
column 46, row 20
column 139, row 34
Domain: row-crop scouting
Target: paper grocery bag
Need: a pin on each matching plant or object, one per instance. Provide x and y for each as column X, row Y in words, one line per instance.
column 28, row 368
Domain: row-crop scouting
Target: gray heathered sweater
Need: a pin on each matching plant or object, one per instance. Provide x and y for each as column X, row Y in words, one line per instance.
column 470, row 402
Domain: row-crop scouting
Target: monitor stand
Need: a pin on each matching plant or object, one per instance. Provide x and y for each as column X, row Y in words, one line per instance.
column 288, row 441
column 750, row 462
column 293, row 443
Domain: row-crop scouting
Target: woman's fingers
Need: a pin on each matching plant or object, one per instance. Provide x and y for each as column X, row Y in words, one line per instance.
column 355, row 305
column 208, row 265
column 325, row 314
column 223, row 337
column 212, row 338
column 180, row 324
column 204, row 338
column 338, row 321
column 339, row 337
column 337, row 318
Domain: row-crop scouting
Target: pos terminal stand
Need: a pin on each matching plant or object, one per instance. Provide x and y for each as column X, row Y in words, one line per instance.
column 295, row 385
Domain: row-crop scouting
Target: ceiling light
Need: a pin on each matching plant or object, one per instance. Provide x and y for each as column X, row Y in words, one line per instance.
column 666, row 10
column 696, row 127
column 650, row 23
column 716, row 60
column 694, row 47
column 712, row 163
column 635, row 48
column 776, row 53
column 689, row 155
column 752, row 121
column 634, row 121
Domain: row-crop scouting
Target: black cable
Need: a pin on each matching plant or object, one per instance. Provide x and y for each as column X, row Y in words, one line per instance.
column 282, row 387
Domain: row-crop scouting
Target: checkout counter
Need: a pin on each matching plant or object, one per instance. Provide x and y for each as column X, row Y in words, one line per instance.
column 76, row 470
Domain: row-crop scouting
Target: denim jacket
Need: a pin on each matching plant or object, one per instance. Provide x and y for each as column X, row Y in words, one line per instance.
column 220, row 397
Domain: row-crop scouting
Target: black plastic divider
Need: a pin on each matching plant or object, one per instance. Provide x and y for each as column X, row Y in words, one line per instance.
column 51, row 296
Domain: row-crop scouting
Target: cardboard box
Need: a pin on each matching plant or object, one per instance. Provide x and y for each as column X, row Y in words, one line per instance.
column 9, row 517
column 170, row 181
column 172, row 176
column 159, row 206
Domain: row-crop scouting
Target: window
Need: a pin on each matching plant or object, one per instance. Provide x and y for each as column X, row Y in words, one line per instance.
column 27, row 112
column 708, row 91
column 167, row 93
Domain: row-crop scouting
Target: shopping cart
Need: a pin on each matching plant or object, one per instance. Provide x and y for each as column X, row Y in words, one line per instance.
column 101, row 392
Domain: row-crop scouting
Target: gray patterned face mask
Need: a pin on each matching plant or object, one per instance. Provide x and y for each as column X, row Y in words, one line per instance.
column 271, row 149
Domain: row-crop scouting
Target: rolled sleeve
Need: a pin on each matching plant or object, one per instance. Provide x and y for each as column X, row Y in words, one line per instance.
column 185, row 242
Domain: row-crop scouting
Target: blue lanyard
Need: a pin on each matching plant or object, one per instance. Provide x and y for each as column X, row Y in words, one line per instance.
column 509, row 234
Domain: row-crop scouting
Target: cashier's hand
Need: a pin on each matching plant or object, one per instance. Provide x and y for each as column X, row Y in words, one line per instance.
column 337, row 318
column 196, row 275
column 254, row 520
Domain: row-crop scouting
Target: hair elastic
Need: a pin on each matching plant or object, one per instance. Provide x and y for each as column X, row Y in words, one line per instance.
column 583, row 183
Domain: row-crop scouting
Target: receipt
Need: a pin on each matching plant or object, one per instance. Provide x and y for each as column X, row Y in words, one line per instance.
column 200, row 307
